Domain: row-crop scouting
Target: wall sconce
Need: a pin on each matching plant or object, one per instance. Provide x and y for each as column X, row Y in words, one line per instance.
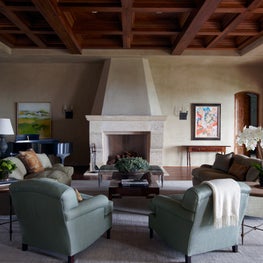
column 182, row 112
column 68, row 110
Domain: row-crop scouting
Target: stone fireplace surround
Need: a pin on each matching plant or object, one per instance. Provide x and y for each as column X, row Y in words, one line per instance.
column 100, row 126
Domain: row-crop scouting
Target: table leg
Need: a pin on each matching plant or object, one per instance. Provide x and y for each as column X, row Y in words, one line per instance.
column 10, row 218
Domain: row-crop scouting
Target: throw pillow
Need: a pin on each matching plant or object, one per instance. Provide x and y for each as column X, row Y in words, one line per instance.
column 79, row 197
column 238, row 170
column 31, row 161
column 252, row 174
column 222, row 161
column 43, row 158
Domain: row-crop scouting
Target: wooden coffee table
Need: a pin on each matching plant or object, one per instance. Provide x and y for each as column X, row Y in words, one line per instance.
column 116, row 190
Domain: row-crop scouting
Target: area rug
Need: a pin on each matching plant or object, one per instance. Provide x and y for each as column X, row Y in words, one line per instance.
column 130, row 241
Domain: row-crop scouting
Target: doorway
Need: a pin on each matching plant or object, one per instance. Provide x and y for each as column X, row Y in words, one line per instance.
column 246, row 113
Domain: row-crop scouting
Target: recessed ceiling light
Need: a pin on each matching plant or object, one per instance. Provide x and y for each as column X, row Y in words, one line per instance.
column 94, row 11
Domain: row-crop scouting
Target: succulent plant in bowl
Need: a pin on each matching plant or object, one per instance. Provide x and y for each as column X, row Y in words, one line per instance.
column 132, row 165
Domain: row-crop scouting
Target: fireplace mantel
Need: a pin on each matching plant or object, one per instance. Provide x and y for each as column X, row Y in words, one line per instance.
column 102, row 125
column 126, row 118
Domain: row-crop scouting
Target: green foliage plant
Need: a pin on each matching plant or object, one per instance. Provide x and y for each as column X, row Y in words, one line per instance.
column 6, row 167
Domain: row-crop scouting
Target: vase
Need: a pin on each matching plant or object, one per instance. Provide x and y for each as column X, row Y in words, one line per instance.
column 4, row 175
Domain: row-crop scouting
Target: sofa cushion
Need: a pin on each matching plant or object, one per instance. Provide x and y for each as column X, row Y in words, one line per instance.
column 45, row 161
column 210, row 174
column 223, row 161
column 31, row 161
column 238, row 170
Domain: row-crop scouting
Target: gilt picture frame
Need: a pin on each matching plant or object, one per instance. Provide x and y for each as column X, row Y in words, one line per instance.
column 206, row 121
column 34, row 118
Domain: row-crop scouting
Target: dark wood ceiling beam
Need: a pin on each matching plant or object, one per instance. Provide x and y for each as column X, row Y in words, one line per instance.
column 233, row 24
column 19, row 24
column 162, row 9
column 82, row 9
column 127, row 21
column 4, row 41
column 55, row 18
column 193, row 25
column 154, row 33
column 22, row 8
column 119, row 9
column 15, row 31
column 250, row 41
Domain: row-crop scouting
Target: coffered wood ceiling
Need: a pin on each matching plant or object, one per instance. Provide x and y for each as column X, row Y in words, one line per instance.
column 175, row 26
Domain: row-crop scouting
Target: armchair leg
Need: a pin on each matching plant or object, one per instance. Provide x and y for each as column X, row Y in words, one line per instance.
column 108, row 233
column 187, row 259
column 151, row 233
column 70, row 259
column 24, row 247
column 235, row 248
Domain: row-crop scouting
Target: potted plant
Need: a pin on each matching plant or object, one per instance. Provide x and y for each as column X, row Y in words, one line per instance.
column 259, row 167
column 132, row 165
column 6, row 168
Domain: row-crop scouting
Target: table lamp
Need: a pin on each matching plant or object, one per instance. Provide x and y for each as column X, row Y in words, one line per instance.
column 5, row 129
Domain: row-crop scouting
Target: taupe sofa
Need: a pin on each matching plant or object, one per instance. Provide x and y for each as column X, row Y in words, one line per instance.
column 33, row 165
column 235, row 166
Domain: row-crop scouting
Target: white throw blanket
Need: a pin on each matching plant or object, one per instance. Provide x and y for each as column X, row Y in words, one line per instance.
column 226, row 198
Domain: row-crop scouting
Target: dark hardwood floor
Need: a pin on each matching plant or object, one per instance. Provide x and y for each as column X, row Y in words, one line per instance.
column 175, row 173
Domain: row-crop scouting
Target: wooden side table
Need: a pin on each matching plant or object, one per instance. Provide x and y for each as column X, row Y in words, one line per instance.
column 254, row 208
column 4, row 188
column 203, row 148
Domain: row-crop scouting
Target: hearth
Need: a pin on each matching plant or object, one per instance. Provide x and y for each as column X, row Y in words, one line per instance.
column 150, row 129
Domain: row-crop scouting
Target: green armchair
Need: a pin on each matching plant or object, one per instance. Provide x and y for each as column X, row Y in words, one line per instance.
column 185, row 222
column 52, row 218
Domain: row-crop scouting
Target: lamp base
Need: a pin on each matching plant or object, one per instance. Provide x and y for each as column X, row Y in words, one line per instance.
column 3, row 145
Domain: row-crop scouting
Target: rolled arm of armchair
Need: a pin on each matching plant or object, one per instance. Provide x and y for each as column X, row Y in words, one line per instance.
column 88, row 205
column 172, row 205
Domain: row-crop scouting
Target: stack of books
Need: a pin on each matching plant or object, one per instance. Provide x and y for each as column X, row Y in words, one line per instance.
column 133, row 182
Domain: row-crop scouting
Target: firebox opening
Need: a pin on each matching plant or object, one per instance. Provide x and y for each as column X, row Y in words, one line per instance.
column 123, row 144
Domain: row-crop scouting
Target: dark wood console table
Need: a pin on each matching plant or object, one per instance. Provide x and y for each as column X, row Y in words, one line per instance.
column 203, row 148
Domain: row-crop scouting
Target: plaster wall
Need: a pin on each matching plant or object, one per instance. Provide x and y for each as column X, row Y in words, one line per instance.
column 180, row 84
column 177, row 84
column 59, row 84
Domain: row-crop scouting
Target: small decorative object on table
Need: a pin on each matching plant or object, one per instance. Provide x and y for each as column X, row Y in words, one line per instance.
column 6, row 167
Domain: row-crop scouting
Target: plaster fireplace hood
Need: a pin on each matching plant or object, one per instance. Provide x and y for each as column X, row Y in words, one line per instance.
column 126, row 112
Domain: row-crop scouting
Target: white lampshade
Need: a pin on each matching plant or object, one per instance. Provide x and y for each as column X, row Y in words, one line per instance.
column 6, row 127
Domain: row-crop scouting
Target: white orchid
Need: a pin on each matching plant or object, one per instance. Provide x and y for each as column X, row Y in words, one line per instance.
column 250, row 137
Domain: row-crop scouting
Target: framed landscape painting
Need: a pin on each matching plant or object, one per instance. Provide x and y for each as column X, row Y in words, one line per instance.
column 34, row 118
column 206, row 121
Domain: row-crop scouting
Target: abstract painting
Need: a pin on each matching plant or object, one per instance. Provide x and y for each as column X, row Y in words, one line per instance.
column 206, row 121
